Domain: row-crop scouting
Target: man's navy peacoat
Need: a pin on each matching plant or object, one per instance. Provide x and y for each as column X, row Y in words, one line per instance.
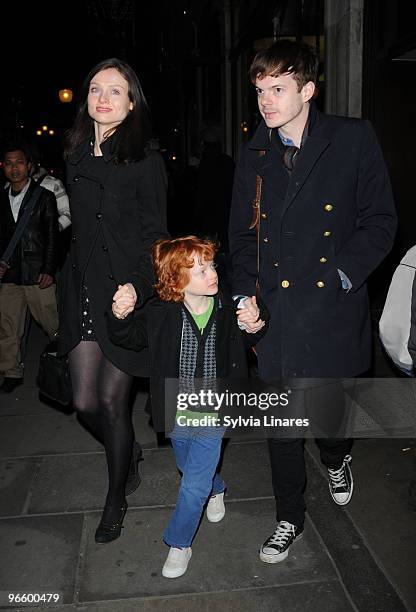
column 335, row 213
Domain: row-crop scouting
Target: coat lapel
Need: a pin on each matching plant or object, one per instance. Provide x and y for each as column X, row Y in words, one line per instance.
column 267, row 162
column 225, row 316
column 173, row 328
column 269, row 166
column 263, row 164
column 310, row 154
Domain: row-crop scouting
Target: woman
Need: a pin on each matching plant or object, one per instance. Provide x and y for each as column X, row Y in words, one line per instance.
column 117, row 195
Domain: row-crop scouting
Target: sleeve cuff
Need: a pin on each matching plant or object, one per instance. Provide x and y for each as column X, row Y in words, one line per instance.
column 345, row 281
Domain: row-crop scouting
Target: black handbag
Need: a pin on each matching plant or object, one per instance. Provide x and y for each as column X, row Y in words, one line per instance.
column 53, row 379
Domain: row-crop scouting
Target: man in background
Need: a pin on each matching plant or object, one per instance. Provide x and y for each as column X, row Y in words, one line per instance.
column 27, row 280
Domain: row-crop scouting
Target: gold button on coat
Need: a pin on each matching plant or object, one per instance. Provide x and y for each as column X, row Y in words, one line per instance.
column 264, row 215
column 276, row 264
column 285, row 284
column 328, row 207
column 265, row 240
column 320, row 284
column 327, row 233
column 323, row 260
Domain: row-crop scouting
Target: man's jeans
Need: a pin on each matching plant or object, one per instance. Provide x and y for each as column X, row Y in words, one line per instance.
column 197, row 452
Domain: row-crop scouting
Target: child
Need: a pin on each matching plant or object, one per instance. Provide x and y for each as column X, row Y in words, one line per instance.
column 191, row 332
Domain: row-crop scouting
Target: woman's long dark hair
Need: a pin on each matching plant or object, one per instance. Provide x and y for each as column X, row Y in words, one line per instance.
column 131, row 136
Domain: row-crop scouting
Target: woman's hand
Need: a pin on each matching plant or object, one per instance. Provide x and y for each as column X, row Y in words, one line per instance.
column 248, row 311
column 248, row 315
column 124, row 301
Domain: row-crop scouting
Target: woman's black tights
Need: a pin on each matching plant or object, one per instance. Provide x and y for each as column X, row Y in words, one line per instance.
column 100, row 396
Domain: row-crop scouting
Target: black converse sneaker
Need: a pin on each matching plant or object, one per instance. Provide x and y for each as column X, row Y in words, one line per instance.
column 341, row 482
column 276, row 548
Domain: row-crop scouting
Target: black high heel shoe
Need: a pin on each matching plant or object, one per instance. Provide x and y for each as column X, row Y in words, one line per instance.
column 107, row 532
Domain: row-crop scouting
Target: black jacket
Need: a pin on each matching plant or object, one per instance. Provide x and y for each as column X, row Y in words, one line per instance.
column 159, row 327
column 37, row 251
column 336, row 213
column 117, row 211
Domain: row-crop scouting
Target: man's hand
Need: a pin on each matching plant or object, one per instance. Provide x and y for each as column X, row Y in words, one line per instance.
column 124, row 300
column 3, row 268
column 45, row 281
column 248, row 315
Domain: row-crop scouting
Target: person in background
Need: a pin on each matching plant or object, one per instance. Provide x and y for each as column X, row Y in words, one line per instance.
column 48, row 181
column 214, row 190
column 27, row 281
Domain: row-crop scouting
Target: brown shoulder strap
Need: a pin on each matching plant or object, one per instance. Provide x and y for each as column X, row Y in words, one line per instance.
column 255, row 221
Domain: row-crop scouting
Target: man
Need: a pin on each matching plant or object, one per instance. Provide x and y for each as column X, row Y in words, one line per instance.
column 326, row 221
column 27, row 281
column 214, row 189
column 41, row 176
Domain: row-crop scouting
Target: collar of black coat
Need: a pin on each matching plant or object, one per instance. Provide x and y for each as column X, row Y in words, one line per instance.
column 262, row 139
column 87, row 147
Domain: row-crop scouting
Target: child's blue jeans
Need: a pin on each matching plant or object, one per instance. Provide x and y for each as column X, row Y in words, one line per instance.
column 197, row 452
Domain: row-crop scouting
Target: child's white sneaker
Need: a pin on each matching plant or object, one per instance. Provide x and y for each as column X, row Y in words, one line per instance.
column 216, row 508
column 176, row 563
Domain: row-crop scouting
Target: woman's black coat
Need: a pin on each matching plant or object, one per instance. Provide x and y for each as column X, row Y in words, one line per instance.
column 159, row 326
column 118, row 211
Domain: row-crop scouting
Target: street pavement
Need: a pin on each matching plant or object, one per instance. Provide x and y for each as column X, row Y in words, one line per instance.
column 53, row 484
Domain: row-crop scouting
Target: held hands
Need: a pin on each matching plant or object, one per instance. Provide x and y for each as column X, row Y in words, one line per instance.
column 124, row 301
column 248, row 315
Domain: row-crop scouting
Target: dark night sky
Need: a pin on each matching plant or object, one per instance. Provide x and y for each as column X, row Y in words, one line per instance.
column 45, row 49
column 48, row 46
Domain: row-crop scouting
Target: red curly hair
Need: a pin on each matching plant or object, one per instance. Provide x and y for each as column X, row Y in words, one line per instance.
column 173, row 259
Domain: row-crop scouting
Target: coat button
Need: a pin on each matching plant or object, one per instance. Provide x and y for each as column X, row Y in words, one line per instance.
column 327, row 233
column 105, row 248
column 74, row 238
column 264, row 215
column 265, row 239
column 328, row 207
column 111, row 277
column 323, row 260
column 76, row 179
column 320, row 284
column 73, row 266
column 98, row 215
column 234, row 365
column 285, row 284
column 276, row 264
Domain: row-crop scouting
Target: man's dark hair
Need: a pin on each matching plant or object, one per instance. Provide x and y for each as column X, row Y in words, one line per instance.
column 132, row 135
column 286, row 56
column 17, row 144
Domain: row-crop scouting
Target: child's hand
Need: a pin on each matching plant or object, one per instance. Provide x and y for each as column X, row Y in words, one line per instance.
column 124, row 301
column 248, row 315
column 252, row 328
